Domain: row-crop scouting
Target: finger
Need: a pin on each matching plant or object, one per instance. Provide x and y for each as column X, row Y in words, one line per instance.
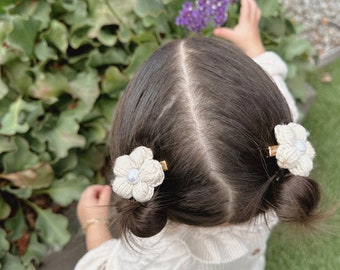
column 225, row 33
column 105, row 195
column 93, row 191
column 254, row 11
column 244, row 11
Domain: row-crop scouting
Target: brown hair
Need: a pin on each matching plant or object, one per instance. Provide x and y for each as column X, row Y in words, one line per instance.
column 209, row 111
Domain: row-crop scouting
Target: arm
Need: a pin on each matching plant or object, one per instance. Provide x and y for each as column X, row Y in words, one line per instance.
column 246, row 36
column 93, row 214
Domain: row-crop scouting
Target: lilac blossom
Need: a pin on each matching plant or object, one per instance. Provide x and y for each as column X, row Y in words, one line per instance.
column 197, row 18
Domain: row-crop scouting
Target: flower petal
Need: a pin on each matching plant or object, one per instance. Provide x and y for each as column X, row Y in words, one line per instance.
column 122, row 165
column 122, row 187
column 299, row 131
column 310, row 152
column 287, row 156
column 284, row 134
column 152, row 173
column 303, row 167
column 142, row 192
column 139, row 155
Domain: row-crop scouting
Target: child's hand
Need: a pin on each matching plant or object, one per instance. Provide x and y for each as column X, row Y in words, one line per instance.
column 94, row 204
column 246, row 34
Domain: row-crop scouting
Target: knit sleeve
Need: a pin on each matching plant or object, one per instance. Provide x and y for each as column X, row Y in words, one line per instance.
column 276, row 68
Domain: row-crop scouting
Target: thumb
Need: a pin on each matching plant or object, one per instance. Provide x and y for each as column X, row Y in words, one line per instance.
column 225, row 33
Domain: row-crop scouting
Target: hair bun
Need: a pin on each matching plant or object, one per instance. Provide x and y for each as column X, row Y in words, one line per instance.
column 296, row 198
column 143, row 220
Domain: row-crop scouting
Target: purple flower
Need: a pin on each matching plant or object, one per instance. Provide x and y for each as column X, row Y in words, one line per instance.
column 195, row 19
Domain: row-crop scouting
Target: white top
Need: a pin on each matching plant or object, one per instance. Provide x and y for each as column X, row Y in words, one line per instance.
column 276, row 68
column 183, row 247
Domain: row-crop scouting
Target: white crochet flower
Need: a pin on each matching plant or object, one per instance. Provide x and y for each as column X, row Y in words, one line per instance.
column 137, row 174
column 294, row 153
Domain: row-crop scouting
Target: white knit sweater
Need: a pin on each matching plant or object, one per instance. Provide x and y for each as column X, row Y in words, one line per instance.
column 182, row 247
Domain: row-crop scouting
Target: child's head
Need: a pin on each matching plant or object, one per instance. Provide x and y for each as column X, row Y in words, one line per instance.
column 209, row 111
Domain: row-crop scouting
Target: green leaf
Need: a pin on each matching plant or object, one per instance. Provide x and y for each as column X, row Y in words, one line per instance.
column 77, row 13
column 94, row 132
column 35, row 250
column 275, row 26
column 90, row 161
column 36, row 145
column 8, row 55
column 61, row 136
column 4, row 245
column 43, row 52
column 16, row 226
column 4, row 5
column 57, row 34
column 114, row 81
column 15, row 120
column 106, row 108
column 268, row 8
column 7, row 144
column 85, row 87
column 107, row 37
column 42, row 12
column 66, row 164
column 24, row 34
column 17, row 74
column 110, row 12
column 22, row 193
column 52, row 227
column 79, row 34
column 64, row 191
column 124, row 34
column 68, row 5
column 48, row 87
column 5, row 209
column 149, row 8
column 5, row 28
column 297, row 85
column 39, row 176
column 295, row 46
column 109, row 57
column 21, row 159
column 139, row 56
column 11, row 262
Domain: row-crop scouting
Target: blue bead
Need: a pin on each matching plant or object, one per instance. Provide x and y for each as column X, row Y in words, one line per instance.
column 301, row 146
column 132, row 175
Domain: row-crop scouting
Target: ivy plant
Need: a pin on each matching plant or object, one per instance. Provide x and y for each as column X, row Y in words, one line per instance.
column 63, row 66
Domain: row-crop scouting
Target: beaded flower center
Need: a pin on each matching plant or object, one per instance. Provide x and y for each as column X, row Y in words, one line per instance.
column 133, row 176
column 301, row 146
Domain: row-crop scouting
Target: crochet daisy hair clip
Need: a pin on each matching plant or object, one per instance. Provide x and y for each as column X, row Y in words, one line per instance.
column 293, row 152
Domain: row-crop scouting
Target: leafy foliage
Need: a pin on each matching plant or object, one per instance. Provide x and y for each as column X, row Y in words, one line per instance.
column 63, row 66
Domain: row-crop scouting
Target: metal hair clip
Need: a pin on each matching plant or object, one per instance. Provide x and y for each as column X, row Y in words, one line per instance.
column 164, row 165
column 272, row 150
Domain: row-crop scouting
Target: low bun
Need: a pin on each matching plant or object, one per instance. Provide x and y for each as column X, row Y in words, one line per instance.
column 141, row 219
column 296, row 199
